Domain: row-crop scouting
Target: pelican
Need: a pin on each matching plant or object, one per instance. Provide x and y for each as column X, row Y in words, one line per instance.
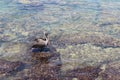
column 41, row 42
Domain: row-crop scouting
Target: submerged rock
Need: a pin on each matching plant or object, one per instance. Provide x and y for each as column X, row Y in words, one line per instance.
column 8, row 67
column 44, row 72
column 45, row 65
column 43, row 68
column 25, row 1
column 87, row 73
column 111, row 71
column 41, row 56
column 98, row 40
column 13, row 51
column 31, row 5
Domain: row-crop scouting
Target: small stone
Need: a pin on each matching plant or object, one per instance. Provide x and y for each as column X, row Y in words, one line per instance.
column 103, row 67
column 25, row 33
column 74, row 79
column 24, row 1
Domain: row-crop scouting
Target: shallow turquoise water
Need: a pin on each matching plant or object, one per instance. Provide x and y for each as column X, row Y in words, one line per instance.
column 16, row 17
column 23, row 20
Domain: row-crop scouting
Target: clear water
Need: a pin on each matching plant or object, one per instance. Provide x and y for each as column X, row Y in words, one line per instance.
column 18, row 17
column 22, row 20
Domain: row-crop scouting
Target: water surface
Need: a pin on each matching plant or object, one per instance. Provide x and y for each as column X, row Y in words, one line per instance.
column 23, row 20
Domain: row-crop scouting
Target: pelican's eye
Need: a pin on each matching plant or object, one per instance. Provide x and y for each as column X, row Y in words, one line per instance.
column 35, row 39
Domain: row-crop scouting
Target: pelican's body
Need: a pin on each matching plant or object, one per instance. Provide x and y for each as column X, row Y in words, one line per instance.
column 41, row 42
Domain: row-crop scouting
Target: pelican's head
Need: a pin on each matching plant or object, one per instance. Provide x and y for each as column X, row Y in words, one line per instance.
column 46, row 34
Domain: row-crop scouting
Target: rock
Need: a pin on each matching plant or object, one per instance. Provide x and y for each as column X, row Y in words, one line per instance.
column 44, row 72
column 8, row 67
column 87, row 73
column 74, row 79
column 98, row 40
column 44, row 65
column 112, row 71
column 41, row 56
column 24, row 1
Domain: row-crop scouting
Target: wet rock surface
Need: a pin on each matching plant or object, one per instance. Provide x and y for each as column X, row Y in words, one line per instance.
column 44, row 71
column 41, row 56
column 45, row 65
column 74, row 59
column 87, row 73
column 97, row 40
column 111, row 71
column 7, row 67
column 48, row 65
